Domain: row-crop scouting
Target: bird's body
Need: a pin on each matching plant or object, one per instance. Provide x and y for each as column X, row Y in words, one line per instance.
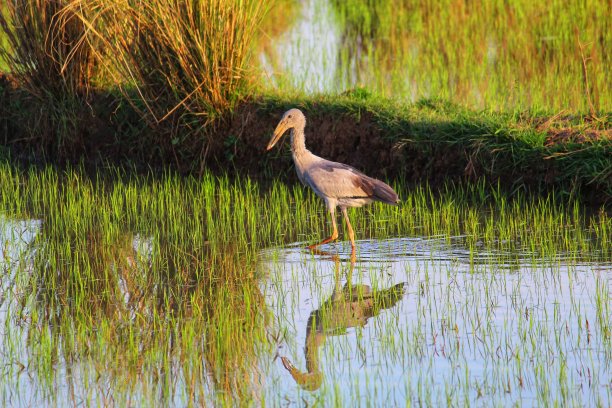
column 339, row 185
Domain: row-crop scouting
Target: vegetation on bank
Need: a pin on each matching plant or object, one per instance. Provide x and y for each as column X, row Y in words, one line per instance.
column 178, row 64
column 169, row 90
column 429, row 140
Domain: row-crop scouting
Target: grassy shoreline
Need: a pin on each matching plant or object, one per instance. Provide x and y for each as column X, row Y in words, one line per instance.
column 431, row 140
column 173, row 92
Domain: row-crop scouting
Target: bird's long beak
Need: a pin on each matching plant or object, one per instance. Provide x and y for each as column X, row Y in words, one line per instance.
column 278, row 132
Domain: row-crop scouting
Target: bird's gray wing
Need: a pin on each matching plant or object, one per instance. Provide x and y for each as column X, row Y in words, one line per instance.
column 337, row 180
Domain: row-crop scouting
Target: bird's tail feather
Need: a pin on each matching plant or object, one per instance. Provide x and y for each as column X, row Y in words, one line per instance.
column 384, row 193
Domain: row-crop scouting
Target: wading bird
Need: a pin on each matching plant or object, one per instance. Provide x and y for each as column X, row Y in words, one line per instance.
column 337, row 184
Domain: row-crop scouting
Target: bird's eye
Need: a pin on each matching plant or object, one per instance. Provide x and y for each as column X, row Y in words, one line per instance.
column 289, row 116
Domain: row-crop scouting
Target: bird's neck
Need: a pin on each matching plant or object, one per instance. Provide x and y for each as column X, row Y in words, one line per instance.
column 298, row 142
column 314, row 340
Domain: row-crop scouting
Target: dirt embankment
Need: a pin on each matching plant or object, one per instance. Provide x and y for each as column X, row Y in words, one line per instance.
column 430, row 143
column 417, row 151
column 347, row 139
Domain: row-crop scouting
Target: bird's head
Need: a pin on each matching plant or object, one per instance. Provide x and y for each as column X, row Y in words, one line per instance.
column 293, row 118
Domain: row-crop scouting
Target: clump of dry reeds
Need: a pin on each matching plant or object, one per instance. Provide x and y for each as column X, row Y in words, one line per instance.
column 47, row 52
column 186, row 61
column 47, row 48
column 182, row 63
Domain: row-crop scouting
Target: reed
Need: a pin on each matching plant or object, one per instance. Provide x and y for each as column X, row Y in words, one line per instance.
column 184, row 63
column 45, row 48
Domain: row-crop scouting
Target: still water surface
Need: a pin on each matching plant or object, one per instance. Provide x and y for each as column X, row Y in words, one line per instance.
column 490, row 328
column 409, row 319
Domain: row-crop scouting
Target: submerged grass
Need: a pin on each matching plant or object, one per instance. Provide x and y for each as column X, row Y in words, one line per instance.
column 147, row 287
column 504, row 55
column 106, row 281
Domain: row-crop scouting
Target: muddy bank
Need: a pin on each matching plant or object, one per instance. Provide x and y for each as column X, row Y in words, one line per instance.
column 567, row 159
column 431, row 141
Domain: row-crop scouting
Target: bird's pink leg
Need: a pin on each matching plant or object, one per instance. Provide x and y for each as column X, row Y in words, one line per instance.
column 334, row 234
column 351, row 233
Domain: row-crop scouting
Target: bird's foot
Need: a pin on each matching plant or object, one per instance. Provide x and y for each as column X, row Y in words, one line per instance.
column 325, row 241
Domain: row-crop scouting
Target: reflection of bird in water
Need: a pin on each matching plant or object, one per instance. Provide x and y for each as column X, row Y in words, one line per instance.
column 350, row 306
column 336, row 183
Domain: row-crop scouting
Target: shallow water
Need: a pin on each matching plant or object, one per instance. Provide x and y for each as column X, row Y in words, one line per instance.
column 464, row 331
column 417, row 319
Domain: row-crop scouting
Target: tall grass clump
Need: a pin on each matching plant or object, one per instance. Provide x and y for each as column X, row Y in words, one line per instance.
column 46, row 51
column 187, row 62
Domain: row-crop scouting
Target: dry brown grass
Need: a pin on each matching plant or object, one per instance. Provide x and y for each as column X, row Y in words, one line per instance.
column 181, row 63
column 48, row 55
column 46, row 47
column 188, row 61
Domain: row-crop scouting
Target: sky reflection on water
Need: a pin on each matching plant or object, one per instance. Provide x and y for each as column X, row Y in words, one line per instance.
column 464, row 329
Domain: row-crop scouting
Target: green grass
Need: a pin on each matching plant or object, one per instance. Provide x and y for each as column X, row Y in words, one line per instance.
column 4, row 67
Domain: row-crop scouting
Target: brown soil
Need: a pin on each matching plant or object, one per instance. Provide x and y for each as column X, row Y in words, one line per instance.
column 112, row 132
column 571, row 135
